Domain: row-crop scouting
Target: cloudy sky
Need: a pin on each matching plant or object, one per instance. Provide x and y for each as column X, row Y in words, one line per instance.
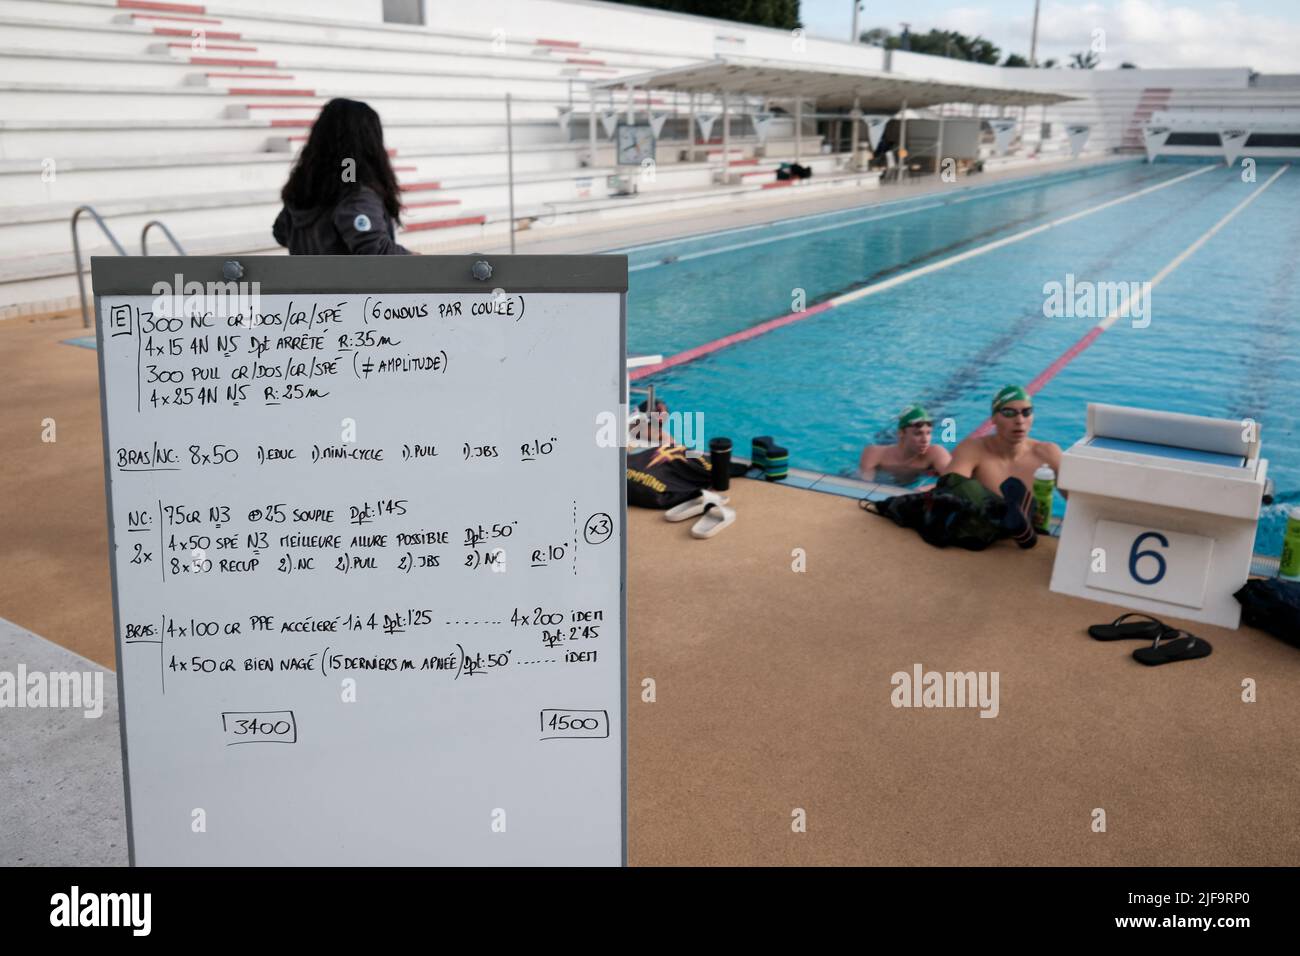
column 1262, row 34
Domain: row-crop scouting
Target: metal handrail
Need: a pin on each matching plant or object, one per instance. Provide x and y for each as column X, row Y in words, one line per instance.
column 76, row 253
column 144, row 233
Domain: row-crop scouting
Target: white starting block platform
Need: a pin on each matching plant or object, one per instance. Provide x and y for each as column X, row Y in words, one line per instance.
column 1162, row 512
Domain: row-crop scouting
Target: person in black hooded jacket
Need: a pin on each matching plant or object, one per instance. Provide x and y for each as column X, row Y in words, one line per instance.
column 342, row 197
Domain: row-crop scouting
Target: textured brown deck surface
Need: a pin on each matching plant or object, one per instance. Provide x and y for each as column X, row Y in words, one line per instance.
column 773, row 687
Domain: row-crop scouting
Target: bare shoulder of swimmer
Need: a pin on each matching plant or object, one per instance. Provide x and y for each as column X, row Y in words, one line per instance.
column 870, row 460
column 1049, row 452
column 966, row 457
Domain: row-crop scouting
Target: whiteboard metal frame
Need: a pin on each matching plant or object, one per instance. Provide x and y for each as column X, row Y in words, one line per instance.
column 435, row 275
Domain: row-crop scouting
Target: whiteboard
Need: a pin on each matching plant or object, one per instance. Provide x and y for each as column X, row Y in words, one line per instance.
column 368, row 558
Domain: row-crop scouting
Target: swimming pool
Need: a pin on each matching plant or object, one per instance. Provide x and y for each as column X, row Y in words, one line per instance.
column 939, row 299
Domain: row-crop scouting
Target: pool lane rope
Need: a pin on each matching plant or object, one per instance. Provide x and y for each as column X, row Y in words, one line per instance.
column 853, row 295
column 1070, row 354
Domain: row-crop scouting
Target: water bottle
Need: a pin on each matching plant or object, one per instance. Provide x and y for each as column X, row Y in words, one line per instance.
column 1044, row 486
column 720, row 463
column 1290, row 566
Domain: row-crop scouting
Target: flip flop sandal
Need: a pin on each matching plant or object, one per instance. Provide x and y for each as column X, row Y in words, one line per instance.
column 715, row 518
column 1173, row 645
column 1123, row 629
column 694, row 506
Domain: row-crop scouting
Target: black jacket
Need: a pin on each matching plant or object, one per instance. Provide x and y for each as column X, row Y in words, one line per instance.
column 358, row 225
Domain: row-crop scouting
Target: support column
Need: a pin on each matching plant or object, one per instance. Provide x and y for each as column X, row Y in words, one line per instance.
column 591, row 123
column 510, row 169
column 938, row 150
column 902, row 141
column 726, row 137
column 690, row 131
column 856, row 120
column 798, row 127
column 812, row 105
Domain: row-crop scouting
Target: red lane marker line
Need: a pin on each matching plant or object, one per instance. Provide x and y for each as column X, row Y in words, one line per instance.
column 282, row 106
column 251, row 76
column 149, row 5
column 1065, row 359
column 292, row 122
column 303, row 139
column 214, row 34
column 573, row 44
column 420, row 187
column 266, row 91
column 216, row 46
column 446, row 223
column 154, row 16
column 708, row 348
column 777, row 184
column 431, row 202
column 405, row 169
column 1049, row 373
column 226, row 61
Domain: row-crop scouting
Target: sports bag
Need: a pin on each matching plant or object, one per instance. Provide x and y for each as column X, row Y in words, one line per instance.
column 1272, row 605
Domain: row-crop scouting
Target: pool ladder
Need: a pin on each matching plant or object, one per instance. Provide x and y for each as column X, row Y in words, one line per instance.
column 121, row 251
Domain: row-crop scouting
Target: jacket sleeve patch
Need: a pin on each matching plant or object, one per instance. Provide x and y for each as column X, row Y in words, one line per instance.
column 361, row 223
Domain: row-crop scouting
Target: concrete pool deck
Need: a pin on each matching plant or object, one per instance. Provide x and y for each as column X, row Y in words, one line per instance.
column 772, row 686
column 61, row 801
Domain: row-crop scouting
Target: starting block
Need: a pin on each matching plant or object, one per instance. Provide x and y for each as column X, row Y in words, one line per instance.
column 1162, row 512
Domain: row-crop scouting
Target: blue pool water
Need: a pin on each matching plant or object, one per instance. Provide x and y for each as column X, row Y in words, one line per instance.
column 1223, row 339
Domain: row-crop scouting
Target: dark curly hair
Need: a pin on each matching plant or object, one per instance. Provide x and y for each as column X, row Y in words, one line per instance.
column 345, row 129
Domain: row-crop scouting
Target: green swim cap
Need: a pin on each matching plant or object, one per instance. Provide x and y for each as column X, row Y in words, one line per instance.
column 1009, row 393
column 913, row 415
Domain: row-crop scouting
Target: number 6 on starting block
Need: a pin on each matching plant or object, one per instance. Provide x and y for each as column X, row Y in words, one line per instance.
column 1152, row 563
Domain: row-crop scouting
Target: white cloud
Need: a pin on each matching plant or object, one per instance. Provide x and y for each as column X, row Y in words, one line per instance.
column 1150, row 33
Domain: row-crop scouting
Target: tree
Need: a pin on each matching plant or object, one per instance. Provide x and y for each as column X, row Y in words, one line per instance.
column 1128, row 66
column 1048, row 64
column 956, row 46
column 783, row 14
column 1084, row 61
column 1015, row 59
column 947, row 43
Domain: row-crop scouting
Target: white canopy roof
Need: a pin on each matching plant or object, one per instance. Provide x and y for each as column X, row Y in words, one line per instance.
column 831, row 87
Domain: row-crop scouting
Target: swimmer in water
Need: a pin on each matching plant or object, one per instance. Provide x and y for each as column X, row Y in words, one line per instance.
column 1005, row 461
column 910, row 457
column 1009, row 452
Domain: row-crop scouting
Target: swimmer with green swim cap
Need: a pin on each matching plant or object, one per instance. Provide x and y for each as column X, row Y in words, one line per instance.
column 910, row 457
column 1005, row 461
column 1009, row 393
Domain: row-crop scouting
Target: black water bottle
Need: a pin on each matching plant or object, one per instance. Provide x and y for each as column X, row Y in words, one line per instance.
column 720, row 463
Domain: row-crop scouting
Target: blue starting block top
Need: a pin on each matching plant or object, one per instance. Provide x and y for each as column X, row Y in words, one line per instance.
column 1168, row 451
